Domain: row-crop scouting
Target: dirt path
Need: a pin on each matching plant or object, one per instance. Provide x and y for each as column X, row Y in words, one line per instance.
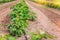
column 50, row 13
column 5, row 8
column 44, row 18
column 9, row 4
column 55, row 10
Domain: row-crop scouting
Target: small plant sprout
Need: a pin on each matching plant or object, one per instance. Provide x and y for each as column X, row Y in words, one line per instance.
column 39, row 35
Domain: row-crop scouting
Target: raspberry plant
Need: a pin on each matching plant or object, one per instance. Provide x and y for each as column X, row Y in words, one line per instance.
column 20, row 16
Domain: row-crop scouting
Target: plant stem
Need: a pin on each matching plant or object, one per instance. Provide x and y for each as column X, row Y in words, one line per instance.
column 25, row 35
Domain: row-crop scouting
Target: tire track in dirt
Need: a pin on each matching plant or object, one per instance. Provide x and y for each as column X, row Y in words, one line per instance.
column 45, row 21
column 3, row 20
column 5, row 13
column 9, row 4
column 55, row 10
column 5, row 8
column 54, row 16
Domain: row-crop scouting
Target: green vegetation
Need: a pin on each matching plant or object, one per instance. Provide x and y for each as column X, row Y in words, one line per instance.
column 43, row 2
column 49, row 3
column 55, row 5
column 3, row 37
column 7, row 37
column 4, row 1
column 11, row 38
column 40, row 35
column 20, row 16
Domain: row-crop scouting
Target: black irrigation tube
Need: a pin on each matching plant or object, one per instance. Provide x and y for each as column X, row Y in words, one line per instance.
column 25, row 35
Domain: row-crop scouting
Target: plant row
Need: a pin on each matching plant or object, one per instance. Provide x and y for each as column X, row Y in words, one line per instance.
column 4, row 1
column 51, row 3
column 55, row 5
column 38, row 35
column 19, row 18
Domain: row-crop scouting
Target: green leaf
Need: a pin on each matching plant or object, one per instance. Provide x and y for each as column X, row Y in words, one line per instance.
column 11, row 38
